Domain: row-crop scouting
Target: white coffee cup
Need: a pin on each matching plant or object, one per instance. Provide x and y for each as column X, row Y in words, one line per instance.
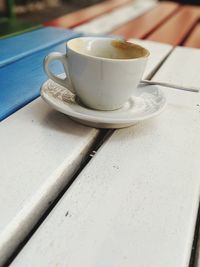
column 101, row 71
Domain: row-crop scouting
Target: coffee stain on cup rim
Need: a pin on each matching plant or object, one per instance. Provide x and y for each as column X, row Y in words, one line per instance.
column 76, row 44
column 127, row 46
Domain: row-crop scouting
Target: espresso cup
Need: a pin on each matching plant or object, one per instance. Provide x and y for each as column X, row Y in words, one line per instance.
column 102, row 72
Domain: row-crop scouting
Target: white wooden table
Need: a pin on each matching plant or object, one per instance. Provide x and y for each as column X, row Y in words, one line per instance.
column 41, row 150
column 134, row 203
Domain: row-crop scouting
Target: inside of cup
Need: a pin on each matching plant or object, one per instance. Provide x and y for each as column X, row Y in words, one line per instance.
column 107, row 48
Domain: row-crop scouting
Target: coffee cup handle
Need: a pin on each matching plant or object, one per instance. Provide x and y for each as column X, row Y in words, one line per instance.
column 63, row 58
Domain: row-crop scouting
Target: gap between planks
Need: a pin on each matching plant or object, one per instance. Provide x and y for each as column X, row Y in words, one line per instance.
column 103, row 136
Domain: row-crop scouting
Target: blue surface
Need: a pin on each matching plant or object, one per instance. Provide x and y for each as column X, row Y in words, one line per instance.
column 14, row 48
column 21, row 71
column 21, row 80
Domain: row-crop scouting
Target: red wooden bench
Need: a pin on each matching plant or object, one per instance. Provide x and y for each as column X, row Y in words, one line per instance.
column 168, row 22
column 194, row 39
column 149, row 22
column 176, row 28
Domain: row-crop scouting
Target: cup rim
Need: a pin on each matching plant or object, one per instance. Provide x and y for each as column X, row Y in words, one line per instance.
column 107, row 59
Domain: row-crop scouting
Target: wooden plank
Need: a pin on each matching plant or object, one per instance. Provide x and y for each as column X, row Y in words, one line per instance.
column 21, row 80
column 177, row 27
column 181, row 68
column 140, row 27
column 41, row 149
column 130, row 199
column 31, row 42
column 78, row 17
column 158, row 53
column 194, row 38
column 108, row 22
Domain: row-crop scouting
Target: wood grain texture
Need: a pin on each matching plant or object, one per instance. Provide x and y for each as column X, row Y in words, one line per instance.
column 139, row 194
column 194, row 38
column 158, row 53
column 143, row 25
column 31, row 42
column 41, row 149
column 181, row 68
column 106, row 23
column 177, row 27
column 78, row 17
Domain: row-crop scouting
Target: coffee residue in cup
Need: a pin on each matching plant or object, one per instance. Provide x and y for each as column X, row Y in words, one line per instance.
column 127, row 50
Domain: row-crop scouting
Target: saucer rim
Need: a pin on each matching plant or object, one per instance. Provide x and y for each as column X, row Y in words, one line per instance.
column 93, row 118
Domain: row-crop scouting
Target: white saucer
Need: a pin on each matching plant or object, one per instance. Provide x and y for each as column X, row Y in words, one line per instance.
column 147, row 102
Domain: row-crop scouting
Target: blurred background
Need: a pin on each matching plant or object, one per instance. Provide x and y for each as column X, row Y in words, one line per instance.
column 39, row 11
column 49, row 9
column 19, row 15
